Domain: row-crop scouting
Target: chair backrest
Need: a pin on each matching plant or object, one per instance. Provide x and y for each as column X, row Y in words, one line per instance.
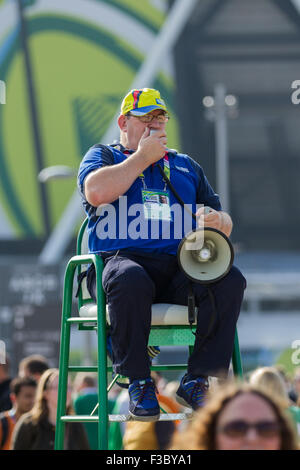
column 82, row 239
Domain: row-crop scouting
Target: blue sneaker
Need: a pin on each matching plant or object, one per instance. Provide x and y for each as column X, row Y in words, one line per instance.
column 143, row 404
column 192, row 392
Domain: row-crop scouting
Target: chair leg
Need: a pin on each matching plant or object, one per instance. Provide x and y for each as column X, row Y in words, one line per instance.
column 64, row 361
column 65, row 352
column 102, row 391
column 102, row 367
column 236, row 358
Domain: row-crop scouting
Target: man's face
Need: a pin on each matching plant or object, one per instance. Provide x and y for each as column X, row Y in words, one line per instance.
column 25, row 399
column 133, row 127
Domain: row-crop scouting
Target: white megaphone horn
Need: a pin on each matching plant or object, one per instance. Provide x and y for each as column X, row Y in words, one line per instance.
column 205, row 255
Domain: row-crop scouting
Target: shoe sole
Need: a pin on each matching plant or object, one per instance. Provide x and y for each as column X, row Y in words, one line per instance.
column 144, row 418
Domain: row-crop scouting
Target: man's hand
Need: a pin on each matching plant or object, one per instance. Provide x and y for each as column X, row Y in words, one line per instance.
column 214, row 219
column 152, row 147
column 106, row 184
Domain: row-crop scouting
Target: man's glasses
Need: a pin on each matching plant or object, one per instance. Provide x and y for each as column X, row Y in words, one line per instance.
column 147, row 118
column 239, row 428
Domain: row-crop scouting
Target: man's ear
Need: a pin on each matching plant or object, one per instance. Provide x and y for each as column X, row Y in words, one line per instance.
column 12, row 397
column 122, row 122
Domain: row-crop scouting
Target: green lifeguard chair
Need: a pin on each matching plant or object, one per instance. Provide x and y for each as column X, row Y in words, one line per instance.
column 169, row 328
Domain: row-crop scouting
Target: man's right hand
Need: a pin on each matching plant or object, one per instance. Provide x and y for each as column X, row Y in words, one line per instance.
column 106, row 184
column 152, row 147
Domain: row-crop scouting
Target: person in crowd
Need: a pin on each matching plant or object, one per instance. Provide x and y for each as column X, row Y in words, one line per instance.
column 140, row 270
column 36, row 430
column 85, row 401
column 239, row 416
column 296, row 385
column 33, row 366
column 286, row 376
column 151, row 435
column 85, row 383
column 270, row 380
column 23, row 390
column 5, row 380
column 117, row 429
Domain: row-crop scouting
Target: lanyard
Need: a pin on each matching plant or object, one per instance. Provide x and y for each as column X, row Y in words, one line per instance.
column 166, row 170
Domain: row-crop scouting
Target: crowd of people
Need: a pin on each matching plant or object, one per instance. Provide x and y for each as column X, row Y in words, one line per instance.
column 260, row 412
column 28, row 405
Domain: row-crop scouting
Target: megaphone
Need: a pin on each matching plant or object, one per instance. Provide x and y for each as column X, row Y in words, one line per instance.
column 205, row 255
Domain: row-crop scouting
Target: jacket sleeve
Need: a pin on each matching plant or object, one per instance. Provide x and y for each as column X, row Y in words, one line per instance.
column 205, row 193
column 97, row 157
column 77, row 437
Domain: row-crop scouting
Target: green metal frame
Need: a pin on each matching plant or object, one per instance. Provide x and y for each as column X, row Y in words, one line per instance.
column 159, row 335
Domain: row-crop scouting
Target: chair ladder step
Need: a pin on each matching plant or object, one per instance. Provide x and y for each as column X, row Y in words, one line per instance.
column 81, row 320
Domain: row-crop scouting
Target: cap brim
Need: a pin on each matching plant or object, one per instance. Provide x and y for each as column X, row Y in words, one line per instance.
column 146, row 110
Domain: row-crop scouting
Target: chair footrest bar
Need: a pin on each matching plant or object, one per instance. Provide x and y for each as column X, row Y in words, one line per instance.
column 81, row 320
column 162, row 417
column 123, row 418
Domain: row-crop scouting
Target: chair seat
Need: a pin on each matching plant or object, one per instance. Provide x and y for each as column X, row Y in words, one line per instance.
column 162, row 314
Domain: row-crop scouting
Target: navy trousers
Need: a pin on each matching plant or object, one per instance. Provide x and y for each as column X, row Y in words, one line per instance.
column 133, row 282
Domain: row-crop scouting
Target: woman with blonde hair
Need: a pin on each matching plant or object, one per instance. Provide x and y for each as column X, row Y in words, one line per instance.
column 270, row 380
column 238, row 417
column 36, row 430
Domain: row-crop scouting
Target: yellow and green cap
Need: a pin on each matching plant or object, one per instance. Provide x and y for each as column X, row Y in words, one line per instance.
column 142, row 101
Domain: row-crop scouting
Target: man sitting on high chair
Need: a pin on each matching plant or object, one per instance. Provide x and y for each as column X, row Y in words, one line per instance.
column 116, row 181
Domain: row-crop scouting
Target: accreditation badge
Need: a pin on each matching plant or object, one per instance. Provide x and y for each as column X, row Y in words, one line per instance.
column 156, row 204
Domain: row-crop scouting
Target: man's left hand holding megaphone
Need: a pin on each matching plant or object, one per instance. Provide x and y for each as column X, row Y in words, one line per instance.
column 208, row 217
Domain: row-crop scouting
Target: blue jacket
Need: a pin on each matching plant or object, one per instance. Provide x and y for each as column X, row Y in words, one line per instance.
column 121, row 225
